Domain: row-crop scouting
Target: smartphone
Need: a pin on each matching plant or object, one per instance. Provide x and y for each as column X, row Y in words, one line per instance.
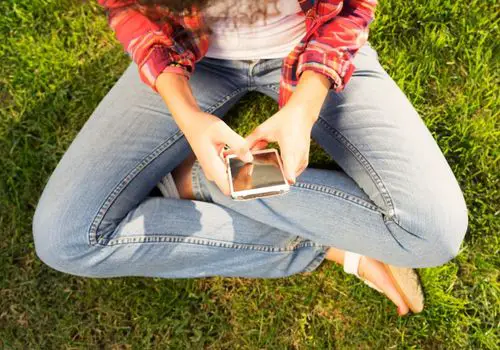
column 264, row 177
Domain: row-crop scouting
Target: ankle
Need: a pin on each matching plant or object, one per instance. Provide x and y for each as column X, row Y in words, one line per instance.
column 336, row 255
column 182, row 178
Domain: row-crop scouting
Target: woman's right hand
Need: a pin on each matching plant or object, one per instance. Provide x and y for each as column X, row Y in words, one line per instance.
column 207, row 135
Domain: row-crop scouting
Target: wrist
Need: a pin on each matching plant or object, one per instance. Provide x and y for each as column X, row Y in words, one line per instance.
column 197, row 124
column 193, row 124
column 310, row 94
column 176, row 92
column 303, row 111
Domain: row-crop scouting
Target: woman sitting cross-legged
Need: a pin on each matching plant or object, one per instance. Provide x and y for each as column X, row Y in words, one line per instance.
column 394, row 206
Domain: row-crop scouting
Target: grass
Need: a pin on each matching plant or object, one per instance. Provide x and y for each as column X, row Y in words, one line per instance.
column 58, row 59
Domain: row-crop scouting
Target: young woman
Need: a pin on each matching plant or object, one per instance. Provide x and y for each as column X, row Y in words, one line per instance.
column 396, row 203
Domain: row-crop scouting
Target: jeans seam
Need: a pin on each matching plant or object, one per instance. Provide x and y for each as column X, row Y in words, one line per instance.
column 198, row 192
column 162, row 238
column 125, row 181
column 336, row 193
column 316, row 262
column 389, row 216
column 223, row 101
column 366, row 165
column 101, row 213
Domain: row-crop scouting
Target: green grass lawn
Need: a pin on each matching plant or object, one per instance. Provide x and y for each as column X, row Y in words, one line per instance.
column 58, row 59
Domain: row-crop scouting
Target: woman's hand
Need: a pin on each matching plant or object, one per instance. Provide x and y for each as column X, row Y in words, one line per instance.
column 291, row 126
column 207, row 135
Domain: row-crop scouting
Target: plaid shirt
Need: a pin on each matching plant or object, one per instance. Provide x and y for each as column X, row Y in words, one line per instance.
column 162, row 41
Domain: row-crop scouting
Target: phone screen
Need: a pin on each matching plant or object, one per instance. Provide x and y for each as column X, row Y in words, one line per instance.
column 264, row 171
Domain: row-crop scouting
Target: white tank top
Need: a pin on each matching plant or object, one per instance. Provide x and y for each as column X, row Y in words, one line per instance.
column 235, row 37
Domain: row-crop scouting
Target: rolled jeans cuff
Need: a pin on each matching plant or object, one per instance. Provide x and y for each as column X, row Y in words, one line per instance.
column 314, row 264
column 199, row 181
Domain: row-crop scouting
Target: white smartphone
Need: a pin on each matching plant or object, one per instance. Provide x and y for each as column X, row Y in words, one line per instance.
column 264, row 177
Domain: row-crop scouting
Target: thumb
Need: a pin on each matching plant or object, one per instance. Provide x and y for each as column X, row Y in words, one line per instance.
column 258, row 139
column 289, row 166
column 215, row 170
column 238, row 145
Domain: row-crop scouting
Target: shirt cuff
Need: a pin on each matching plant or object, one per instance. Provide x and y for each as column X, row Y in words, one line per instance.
column 337, row 70
column 159, row 61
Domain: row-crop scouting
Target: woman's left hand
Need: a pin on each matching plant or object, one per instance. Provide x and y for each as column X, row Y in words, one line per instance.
column 291, row 128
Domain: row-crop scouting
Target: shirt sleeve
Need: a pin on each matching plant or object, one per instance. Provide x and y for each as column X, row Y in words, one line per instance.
column 152, row 46
column 339, row 35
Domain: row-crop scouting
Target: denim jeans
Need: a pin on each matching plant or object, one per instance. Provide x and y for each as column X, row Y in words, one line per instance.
column 396, row 199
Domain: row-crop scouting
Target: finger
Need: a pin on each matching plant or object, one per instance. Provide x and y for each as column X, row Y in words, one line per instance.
column 259, row 138
column 220, row 176
column 301, row 169
column 259, row 145
column 227, row 152
column 215, row 170
column 289, row 166
column 302, row 165
column 253, row 138
column 207, row 175
column 237, row 144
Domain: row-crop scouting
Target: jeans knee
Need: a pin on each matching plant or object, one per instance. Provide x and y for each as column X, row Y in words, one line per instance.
column 45, row 237
column 451, row 228
column 55, row 242
column 435, row 235
column 447, row 242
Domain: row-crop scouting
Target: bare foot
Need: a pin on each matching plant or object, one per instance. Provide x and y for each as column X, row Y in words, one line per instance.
column 182, row 178
column 373, row 271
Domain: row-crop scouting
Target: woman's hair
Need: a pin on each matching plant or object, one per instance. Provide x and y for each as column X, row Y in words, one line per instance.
column 178, row 6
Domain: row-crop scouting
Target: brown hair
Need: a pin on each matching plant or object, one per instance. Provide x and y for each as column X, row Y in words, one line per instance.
column 177, row 6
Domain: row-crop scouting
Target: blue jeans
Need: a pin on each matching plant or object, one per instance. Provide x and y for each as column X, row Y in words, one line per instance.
column 396, row 199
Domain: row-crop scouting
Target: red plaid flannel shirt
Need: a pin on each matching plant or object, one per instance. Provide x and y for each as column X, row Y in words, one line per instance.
column 336, row 29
